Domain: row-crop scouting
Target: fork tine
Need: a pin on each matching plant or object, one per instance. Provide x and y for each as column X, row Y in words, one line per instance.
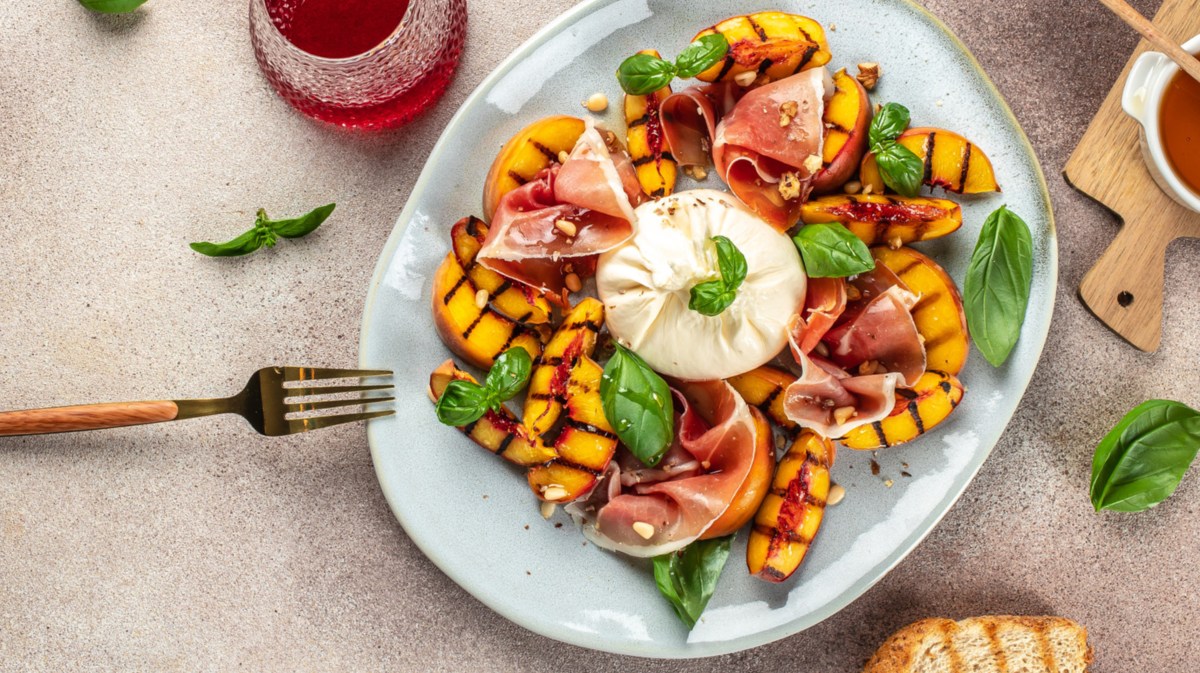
column 310, row 373
column 333, row 390
column 330, row 404
column 306, row 424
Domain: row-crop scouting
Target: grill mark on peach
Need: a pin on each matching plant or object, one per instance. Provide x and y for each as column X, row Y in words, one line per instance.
column 725, row 67
column 591, row 429
column 764, row 66
column 914, row 410
column 929, row 143
column 466, row 334
column 926, row 298
column 765, row 405
column 808, row 54
column 457, row 284
column 549, row 153
column 834, row 126
column 516, row 177
column 966, row 165
column 907, row 394
column 906, row 268
column 469, row 427
column 574, row 466
column 877, row 426
column 661, row 191
column 938, row 340
column 472, row 227
column 504, row 444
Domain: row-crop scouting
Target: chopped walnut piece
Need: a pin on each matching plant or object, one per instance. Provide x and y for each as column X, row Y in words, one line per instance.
column 695, row 172
column 813, row 163
column 853, row 293
column 787, row 112
column 895, row 242
column 852, row 187
column 868, row 75
column 789, row 186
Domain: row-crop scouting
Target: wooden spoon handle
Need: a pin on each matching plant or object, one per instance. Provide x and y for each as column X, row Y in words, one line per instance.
column 85, row 417
column 1151, row 32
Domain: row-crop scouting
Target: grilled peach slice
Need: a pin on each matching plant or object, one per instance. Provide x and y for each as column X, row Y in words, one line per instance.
column 771, row 43
column 763, row 388
column 951, row 162
column 473, row 332
column 656, row 168
column 847, row 117
column 535, row 147
column 938, row 314
column 750, row 496
column 876, row 219
column 791, row 513
column 498, row 432
column 516, row 301
column 567, row 378
column 917, row 411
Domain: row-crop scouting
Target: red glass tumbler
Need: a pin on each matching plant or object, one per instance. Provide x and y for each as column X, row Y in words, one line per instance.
column 362, row 64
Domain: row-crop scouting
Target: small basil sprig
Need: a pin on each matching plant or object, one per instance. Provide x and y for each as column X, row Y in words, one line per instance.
column 996, row 291
column 901, row 169
column 1141, row 461
column 642, row 74
column 831, row 251
column 638, row 405
column 265, row 233
column 712, row 297
column 464, row 402
column 688, row 578
column 112, row 6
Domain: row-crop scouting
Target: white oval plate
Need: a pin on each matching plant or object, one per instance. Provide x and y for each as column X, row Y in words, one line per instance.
column 468, row 511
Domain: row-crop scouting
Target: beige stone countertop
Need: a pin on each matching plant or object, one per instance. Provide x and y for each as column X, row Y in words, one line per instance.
column 202, row 546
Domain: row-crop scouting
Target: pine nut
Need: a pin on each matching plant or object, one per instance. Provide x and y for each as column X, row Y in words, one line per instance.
column 597, row 102
column 481, row 299
column 853, row 187
column 566, row 226
column 554, row 493
column 745, row 78
column 836, row 493
column 643, row 529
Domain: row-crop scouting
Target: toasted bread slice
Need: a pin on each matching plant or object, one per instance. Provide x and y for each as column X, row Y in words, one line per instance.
column 985, row 645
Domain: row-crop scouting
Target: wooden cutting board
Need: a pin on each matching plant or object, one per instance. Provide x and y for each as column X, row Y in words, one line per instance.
column 1125, row 287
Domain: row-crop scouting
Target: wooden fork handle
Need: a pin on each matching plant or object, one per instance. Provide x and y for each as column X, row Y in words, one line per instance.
column 85, row 417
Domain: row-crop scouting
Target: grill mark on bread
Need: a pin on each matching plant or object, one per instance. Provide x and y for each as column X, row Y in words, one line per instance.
column 956, row 662
column 996, row 646
column 1042, row 635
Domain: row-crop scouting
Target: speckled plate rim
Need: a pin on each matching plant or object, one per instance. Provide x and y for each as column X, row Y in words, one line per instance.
column 899, row 554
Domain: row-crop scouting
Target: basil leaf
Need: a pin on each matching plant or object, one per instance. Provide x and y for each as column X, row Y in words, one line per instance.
column 265, row 233
column 731, row 262
column 638, row 404
column 642, row 74
column 901, row 169
column 462, row 403
column 831, row 251
column 996, row 291
column 242, row 245
column 701, row 55
column 688, row 577
column 508, row 375
column 299, row 226
column 891, row 120
column 112, row 6
column 711, row 298
column 1141, row 461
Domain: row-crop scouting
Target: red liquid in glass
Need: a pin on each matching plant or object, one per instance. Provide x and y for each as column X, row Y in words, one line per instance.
column 339, row 29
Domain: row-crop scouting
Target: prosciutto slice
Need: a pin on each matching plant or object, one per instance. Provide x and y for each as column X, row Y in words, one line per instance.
column 823, row 305
column 594, row 190
column 770, row 133
column 693, row 486
column 883, row 331
column 823, row 388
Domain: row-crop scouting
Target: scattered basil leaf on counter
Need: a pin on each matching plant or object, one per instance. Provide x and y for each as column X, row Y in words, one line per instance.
column 265, row 233
column 831, row 251
column 638, row 405
column 112, row 6
column 688, row 577
column 900, row 168
column 996, row 291
column 1141, row 461
column 464, row 402
column 701, row 55
column 712, row 297
column 643, row 74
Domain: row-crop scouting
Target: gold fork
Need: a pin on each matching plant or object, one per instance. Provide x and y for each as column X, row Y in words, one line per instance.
column 263, row 402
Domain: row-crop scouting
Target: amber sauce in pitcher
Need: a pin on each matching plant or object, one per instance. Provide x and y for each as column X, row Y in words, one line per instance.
column 1179, row 124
